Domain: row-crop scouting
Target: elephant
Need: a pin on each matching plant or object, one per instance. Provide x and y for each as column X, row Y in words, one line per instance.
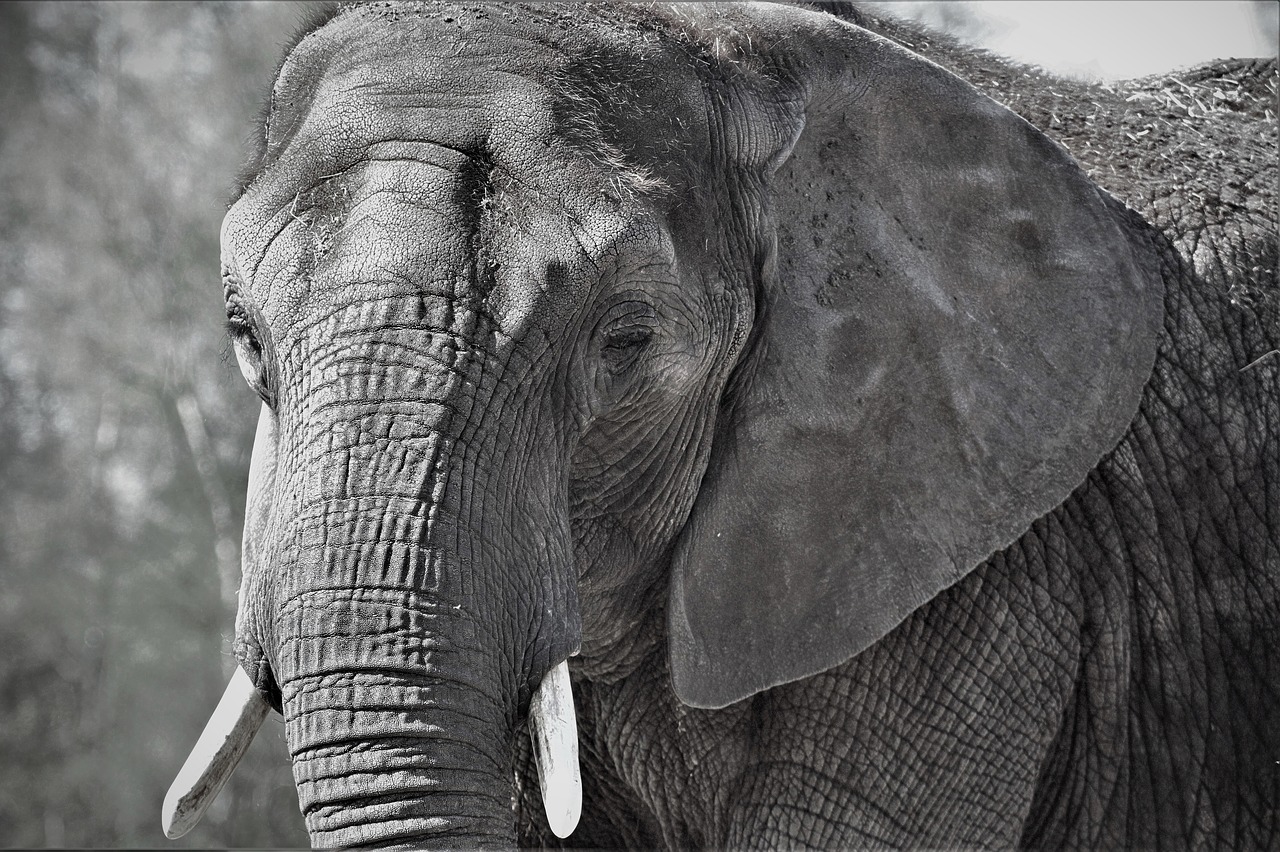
column 720, row 425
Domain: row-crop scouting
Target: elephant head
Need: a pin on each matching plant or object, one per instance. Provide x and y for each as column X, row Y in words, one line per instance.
column 740, row 321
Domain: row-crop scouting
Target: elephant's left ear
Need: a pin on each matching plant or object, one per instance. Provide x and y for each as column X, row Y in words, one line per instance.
column 956, row 325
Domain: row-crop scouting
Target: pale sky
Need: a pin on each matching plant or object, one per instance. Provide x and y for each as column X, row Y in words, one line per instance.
column 1113, row 39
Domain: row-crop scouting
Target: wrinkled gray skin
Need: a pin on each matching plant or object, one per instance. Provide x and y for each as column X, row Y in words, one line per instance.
column 896, row 485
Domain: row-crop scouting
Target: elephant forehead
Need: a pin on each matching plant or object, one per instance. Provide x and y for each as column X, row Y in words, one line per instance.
column 405, row 227
column 410, row 156
column 524, row 91
column 365, row 78
column 402, row 237
column 391, row 220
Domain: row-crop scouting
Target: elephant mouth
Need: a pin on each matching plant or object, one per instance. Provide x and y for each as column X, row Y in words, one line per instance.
column 242, row 710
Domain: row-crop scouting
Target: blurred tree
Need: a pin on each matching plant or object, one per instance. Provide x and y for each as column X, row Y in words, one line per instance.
column 123, row 443
column 1267, row 15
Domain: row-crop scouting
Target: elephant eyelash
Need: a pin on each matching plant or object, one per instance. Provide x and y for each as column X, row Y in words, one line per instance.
column 627, row 328
column 623, row 346
column 632, row 337
column 253, row 361
column 238, row 326
column 239, row 323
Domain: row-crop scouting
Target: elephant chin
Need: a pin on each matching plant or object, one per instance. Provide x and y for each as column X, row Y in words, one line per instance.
column 242, row 710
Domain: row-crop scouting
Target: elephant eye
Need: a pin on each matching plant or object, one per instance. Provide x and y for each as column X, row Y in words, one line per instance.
column 626, row 339
column 623, row 345
column 239, row 325
column 255, row 366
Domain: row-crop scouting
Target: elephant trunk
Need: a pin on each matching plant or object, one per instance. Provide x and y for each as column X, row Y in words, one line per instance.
column 400, row 699
column 552, row 725
column 416, row 776
column 420, row 760
column 400, row 679
column 406, row 634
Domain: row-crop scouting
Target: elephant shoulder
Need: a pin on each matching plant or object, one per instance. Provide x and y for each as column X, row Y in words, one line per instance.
column 1202, row 157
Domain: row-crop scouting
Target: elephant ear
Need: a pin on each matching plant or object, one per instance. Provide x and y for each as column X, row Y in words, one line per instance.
column 955, row 327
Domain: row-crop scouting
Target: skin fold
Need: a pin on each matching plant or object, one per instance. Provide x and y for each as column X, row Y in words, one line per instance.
column 884, row 481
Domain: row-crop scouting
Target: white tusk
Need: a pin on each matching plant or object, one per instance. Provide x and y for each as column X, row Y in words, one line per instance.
column 225, row 738
column 553, row 725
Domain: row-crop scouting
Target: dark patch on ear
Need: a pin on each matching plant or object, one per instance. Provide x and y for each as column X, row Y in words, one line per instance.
column 1028, row 237
column 312, row 19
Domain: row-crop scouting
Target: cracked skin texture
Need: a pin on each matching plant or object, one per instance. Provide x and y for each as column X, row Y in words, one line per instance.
column 1106, row 680
column 1114, row 669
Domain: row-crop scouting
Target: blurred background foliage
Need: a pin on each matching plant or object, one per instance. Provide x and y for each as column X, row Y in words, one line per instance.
column 125, row 428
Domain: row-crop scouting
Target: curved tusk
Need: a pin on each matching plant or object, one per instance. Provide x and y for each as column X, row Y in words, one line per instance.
column 553, row 726
column 225, row 738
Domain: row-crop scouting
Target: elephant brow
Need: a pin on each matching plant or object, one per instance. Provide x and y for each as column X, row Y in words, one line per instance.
column 257, row 160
